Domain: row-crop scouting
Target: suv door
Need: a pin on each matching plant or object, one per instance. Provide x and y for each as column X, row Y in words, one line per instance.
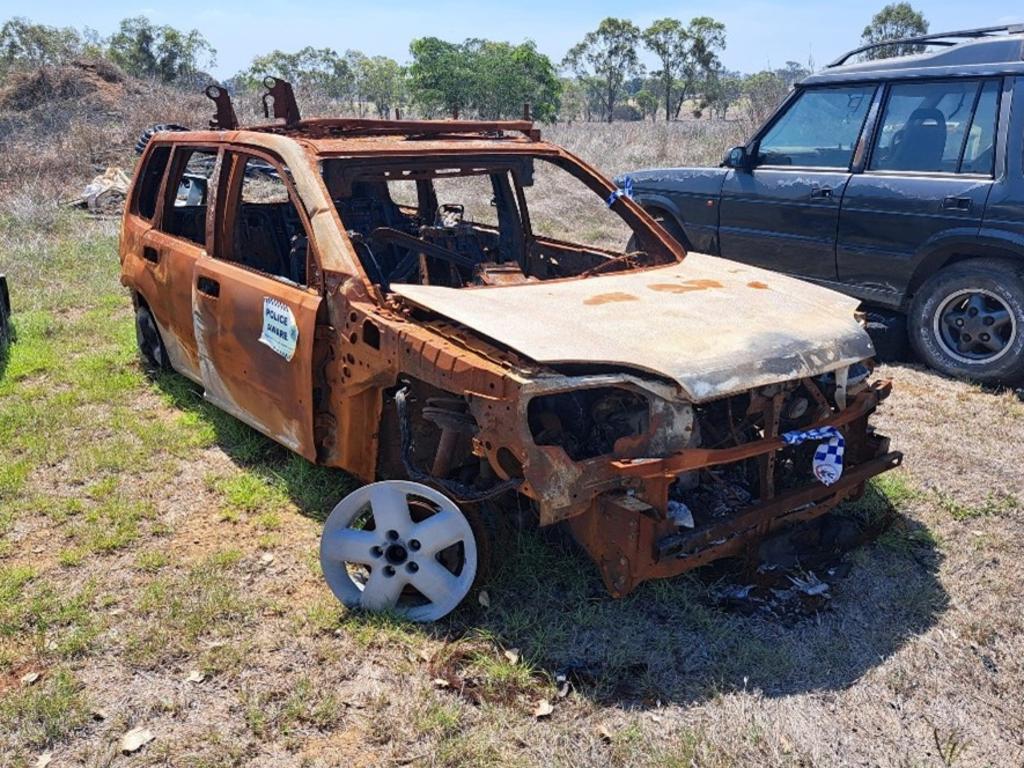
column 254, row 312
column 926, row 181
column 782, row 212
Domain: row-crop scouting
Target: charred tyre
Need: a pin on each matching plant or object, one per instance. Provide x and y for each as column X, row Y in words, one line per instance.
column 152, row 351
column 6, row 332
column 143, row 140
column 968, row 320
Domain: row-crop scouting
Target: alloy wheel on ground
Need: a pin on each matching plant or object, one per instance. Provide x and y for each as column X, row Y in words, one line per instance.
column 399, row 546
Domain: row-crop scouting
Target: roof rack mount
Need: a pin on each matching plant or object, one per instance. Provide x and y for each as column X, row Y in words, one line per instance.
column 938, row 38
column 285, row 108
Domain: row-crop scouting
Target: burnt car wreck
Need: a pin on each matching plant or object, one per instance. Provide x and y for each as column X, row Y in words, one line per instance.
column 385, row 297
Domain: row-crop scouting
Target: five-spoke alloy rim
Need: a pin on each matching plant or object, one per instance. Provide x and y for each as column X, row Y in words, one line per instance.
column 975, row 326
column 399, row 546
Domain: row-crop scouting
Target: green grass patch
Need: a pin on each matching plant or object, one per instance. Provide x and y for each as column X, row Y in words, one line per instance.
column 111, row 525
column 176, row 610
column 39, row 618
column 44, row 714
column 994, row 505
column 275, row 713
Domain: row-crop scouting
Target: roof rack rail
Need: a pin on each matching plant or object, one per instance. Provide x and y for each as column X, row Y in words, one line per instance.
column 343, row 127
column 939, row 38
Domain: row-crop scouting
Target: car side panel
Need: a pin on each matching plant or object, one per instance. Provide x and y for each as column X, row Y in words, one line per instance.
column 782, row 219
column 1003, row 222
column 244, row 375
column 159, row 268
column 889, row 222
column 690, row 196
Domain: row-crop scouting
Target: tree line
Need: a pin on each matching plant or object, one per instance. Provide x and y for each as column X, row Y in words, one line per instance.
column 603, row 77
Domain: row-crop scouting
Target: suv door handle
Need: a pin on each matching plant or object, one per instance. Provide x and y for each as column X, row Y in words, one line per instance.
column 207, row 286
column 151, row 255
column 957, row 203
column 821, row 193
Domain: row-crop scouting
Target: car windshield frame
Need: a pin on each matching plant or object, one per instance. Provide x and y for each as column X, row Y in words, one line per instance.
column 649, row 233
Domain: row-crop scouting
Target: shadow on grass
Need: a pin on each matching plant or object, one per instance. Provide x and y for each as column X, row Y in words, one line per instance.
column 314, row 489
column 668, row 640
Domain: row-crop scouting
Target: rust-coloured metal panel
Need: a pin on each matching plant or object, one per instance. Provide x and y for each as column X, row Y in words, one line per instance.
column 241, row 373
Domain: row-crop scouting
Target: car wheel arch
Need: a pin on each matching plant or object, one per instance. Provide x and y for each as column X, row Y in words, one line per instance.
column 663, row 212
column 942, row 258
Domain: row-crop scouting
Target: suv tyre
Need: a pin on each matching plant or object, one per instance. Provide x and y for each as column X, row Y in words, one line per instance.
column 967, row 320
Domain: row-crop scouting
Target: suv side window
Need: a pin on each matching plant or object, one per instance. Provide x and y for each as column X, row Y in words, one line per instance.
column 265, row 232
column 927, row 127
column 818, row 130
column 185, row 197
column 979, row 151
column 149, row 184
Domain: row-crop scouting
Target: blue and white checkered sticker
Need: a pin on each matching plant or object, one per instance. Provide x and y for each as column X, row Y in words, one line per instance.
column 828, row 459
column 626, row 190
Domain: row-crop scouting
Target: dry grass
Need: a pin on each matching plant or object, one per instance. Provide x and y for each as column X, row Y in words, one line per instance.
column 145, row 536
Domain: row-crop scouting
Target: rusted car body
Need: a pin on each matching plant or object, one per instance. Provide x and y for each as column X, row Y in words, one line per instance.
column 604, row 386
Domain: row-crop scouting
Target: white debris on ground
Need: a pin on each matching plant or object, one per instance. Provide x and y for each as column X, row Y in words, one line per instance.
column 106, row 193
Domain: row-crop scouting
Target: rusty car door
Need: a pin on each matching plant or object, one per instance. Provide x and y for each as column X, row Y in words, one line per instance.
column 164, row 236
column 255, row 321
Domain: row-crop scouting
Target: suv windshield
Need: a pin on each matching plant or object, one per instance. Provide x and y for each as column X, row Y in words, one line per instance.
column 482, row 220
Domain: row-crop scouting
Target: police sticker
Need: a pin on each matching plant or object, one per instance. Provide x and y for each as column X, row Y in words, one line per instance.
column 280, row 332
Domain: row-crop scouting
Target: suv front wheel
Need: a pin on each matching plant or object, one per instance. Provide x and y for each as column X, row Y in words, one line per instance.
column 968, row 321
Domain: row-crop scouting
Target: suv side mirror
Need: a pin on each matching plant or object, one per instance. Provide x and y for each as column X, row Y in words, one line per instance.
column 736, row 158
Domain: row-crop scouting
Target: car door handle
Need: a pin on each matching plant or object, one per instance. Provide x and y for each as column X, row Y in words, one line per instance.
column 152, row 255
column 957, row 203
column 208, row 287
column 821, row 193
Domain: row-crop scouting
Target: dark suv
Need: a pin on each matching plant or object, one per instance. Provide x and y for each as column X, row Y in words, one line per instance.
column 897, row 181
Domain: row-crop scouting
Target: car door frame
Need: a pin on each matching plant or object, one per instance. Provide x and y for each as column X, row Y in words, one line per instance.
column 824, row 191
column 894, row 292
column 241, row 372
column 162, row 276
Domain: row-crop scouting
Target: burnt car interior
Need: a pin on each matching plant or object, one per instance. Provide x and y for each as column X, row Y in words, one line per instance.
column 266, row 233
column 435, row 241
column 185, row 212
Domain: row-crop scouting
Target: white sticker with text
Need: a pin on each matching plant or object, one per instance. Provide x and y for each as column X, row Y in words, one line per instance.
column 280, row 332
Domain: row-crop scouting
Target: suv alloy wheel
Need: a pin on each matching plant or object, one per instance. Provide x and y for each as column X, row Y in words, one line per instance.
column 968, row 320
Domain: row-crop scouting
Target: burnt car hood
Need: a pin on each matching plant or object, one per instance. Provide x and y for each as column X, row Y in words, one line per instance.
column 714, row 326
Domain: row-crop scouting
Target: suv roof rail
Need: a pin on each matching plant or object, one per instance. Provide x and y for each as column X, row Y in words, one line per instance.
column 938, row 38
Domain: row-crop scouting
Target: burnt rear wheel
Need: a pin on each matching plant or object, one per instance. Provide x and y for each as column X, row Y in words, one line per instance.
column 151, row 346
column 968, row 321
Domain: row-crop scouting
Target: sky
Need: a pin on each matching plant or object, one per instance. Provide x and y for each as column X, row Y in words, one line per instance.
column 760, row 33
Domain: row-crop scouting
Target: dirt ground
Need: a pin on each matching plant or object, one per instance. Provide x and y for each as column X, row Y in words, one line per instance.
column 158, row 571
